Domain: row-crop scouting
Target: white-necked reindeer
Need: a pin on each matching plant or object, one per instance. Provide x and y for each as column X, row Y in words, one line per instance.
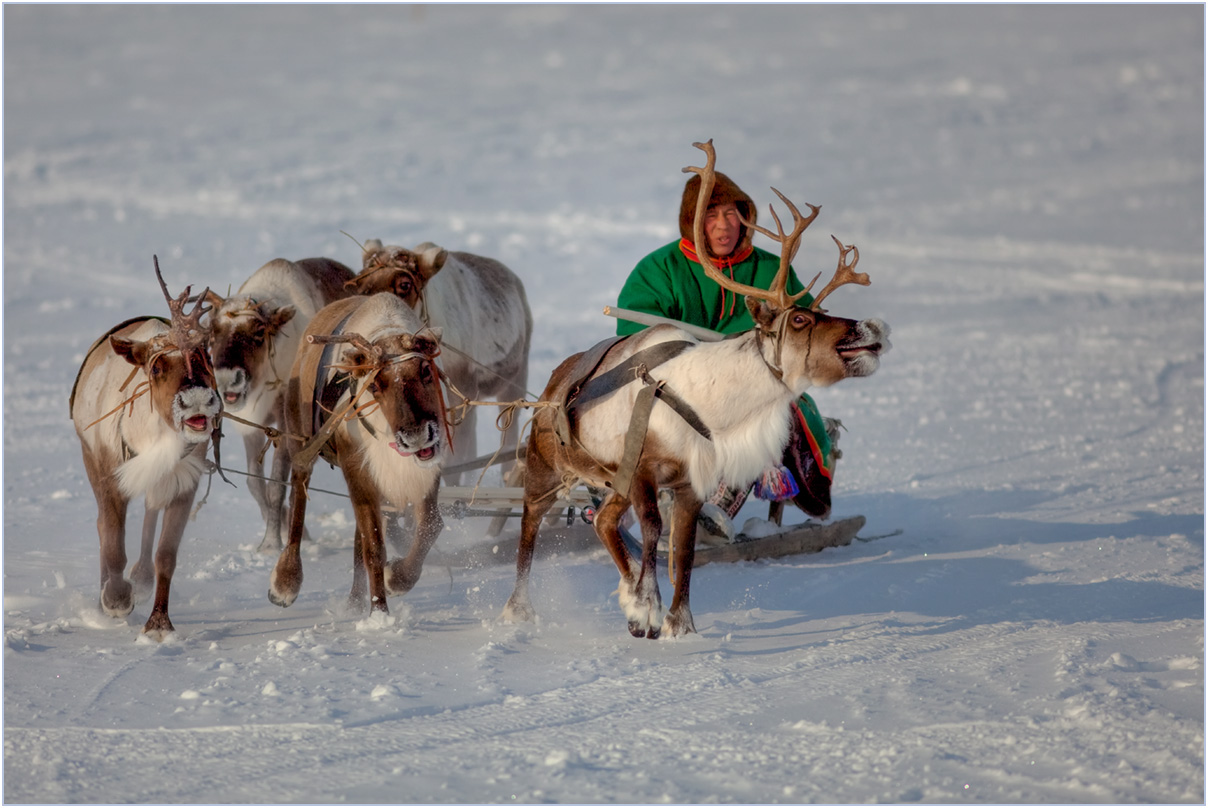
column 365, row 382
column 144, row 431
column 725, row 415
column 255, row 338
column 481, row 308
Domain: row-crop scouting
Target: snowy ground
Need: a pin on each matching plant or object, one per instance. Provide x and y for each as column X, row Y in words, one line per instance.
column 1026, row 186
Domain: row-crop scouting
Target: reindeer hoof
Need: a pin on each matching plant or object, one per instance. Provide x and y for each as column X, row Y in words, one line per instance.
column 286, row 581
column 398, row 580
column 677, row 624
column 117, row 598
column 158, row 627
column 518, row 610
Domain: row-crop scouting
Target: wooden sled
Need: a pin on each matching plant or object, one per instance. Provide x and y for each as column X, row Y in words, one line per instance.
column 575, row 534
column 580, row 537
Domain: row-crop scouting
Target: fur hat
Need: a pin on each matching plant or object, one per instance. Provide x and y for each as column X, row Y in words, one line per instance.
column 724, row 190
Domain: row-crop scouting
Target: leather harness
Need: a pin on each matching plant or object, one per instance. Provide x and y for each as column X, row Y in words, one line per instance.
column 586, row 389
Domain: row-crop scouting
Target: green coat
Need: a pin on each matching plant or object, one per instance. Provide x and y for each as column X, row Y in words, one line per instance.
column 666, row 283
column 670, row 285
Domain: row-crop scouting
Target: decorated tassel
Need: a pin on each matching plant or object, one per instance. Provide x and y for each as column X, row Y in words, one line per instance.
column 777, row 483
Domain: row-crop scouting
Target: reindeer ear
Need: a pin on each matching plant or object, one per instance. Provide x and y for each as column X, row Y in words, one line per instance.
column 763, row 312
column 214, row 299
column 369, row 252
column 133, row 352
column 431, row 259
column 278, row 318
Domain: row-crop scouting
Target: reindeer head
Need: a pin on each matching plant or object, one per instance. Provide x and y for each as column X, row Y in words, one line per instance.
column 402, row 272
column 399, row 371
column 179, row 376
column 803, row 345
column 241, row 343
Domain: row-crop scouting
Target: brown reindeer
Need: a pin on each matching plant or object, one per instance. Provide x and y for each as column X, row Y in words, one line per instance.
column 255, row 338
column 148, row 439
column 365, row 390
column 724, row 414
column 481, row 308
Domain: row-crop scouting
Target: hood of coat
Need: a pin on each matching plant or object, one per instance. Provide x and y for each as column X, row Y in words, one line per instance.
column 724, row 190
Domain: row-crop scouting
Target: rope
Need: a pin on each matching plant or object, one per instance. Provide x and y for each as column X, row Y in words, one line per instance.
column 474, row 361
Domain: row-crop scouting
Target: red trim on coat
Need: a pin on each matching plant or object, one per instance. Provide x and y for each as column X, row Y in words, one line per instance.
column 688, row 248
column 817, row 452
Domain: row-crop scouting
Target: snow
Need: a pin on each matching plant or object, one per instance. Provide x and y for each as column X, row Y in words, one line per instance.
column 1026, row 186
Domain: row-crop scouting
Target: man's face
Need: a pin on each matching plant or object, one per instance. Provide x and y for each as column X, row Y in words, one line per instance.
column 722, row 228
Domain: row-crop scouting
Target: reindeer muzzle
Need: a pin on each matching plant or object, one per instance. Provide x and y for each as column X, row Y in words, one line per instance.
column 424, row 446
column 195, row 411
column 862, row 349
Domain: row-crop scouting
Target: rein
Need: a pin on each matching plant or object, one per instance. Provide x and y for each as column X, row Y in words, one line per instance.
column 776, row 338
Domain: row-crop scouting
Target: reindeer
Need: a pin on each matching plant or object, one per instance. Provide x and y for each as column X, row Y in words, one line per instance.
column 480, row 306
column 390, row 444
column 255, row 338
column 150, row 440
column 726, row 417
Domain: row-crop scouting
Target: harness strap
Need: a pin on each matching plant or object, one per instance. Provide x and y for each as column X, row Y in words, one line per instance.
column 637, row 365
column 683, row 410
column 586, row 366
column 635, row 438
column 321, row 402
column 635, row 368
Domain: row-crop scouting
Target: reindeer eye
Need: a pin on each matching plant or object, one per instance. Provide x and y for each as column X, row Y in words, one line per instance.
column 404, row 286
column 425, row 373
column 800, row 319
column 157, row 367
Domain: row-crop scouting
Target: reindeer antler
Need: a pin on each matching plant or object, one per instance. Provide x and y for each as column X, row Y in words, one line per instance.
column 365, row 345
column 789, row 243
column 778, row 293
column 187, row 333
column 844, row 274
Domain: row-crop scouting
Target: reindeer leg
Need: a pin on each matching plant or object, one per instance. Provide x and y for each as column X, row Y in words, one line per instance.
column 539, row 480
column 358, row 598
column 687, row 507
column 367, row 509
column 253, row 445
column 403, row 573
column 176, row 517
column 640, row 598
column 286, row 579
column 400, row 528
column 142, row 574
column 117, row 596
column 274, row 502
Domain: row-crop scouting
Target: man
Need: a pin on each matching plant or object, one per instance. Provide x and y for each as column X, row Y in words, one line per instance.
column 670, row 282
